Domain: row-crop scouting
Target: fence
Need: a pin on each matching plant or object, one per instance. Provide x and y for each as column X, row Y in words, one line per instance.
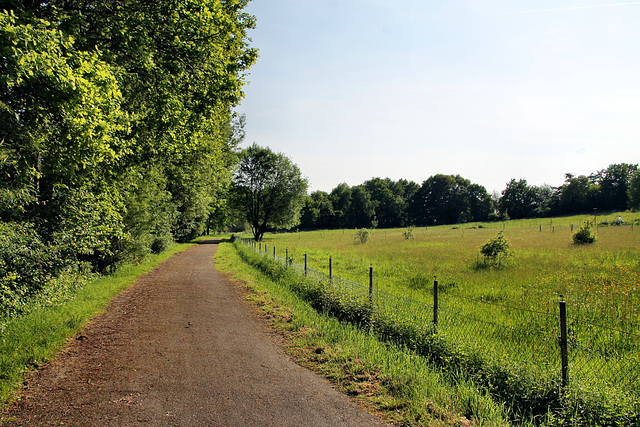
column 551, row 346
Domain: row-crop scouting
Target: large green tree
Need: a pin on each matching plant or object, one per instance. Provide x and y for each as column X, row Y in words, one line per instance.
column 361, row 210
column 578, row 194
column 614, row 183
column 268, row 189
column 440, row 200
column 341, row 201
column 62, row 133
column 519, row 199
column 634, row 191
column 388, row 204
column 116, row 126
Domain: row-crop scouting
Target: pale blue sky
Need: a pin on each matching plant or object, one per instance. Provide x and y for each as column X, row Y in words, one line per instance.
column 490, row 90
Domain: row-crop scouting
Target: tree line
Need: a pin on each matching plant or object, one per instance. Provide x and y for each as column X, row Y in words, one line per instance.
column 117, row 135
column 451, row 199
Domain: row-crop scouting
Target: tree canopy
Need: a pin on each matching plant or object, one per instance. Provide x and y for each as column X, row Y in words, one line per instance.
column 117, row 134
column 268, row 189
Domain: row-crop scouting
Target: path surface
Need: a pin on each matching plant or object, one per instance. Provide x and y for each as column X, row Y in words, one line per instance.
column 180, row 348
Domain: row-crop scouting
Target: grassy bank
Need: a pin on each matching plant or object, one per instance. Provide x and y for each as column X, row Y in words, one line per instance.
column 33, row 339
column 498, row 326
column 393, row 380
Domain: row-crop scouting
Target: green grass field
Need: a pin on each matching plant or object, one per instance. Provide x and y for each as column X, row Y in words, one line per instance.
column 601, row 280
column 509, row 314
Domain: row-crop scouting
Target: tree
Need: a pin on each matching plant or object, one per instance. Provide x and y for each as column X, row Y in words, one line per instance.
column 173, row 69
column 614, row 182
column 634, row 191
column 361, row 210
column 449, row 199
column 320, row 212
column 269, row 189
column 389, row 207
column 59, row 108
column 341, row 201
column 496, row 250
column 518, row 200
column 578, row 194
column 116, row 129
column 480, row 203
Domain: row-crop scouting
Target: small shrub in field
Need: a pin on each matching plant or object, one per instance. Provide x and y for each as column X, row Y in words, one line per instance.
column 362, row 236
column 584, row 236
column 496, row 250
column 408, row 234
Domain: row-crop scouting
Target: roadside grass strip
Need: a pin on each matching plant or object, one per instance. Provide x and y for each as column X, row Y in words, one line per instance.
column 520, row 380
column 393, row 379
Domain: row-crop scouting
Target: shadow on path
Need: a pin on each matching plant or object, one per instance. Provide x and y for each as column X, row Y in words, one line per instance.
column 180, row 348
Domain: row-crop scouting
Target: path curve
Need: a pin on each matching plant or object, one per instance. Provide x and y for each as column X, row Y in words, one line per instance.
column 180, row 348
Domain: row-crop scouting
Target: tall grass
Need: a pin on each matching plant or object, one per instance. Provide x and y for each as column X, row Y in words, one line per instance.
column 599, row 282
column 395, row 380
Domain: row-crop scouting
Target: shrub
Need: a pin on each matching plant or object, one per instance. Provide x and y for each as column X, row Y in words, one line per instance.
column 584, row 236
column 408, row 234
column 362, row 236
column 496, row 249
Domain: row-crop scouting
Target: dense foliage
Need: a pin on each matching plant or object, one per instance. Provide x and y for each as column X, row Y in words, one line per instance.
column 267, row 190
column 117, row 135
column 451, row 199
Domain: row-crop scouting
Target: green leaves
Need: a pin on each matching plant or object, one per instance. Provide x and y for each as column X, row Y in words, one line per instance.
column 116, row 131
column 269, row 189
column 496, row 250
column 61, row 107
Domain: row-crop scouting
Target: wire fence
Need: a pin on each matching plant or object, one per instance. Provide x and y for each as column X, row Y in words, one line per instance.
column 552, row 346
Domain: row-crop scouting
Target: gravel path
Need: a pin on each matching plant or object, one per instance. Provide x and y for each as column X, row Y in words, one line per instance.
column 180, row 348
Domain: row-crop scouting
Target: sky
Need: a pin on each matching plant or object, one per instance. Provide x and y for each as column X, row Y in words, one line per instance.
column 491, row 90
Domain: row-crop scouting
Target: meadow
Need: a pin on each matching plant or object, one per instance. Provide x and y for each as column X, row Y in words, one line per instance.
column 600, row 281
column 508, row 315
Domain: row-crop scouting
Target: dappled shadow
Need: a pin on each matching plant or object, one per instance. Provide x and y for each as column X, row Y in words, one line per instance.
column 210, row 242
column 214, row 241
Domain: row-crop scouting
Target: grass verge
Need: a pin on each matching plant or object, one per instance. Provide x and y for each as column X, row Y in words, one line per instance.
column 31, row 340
column 388, row 379
column 528, row 395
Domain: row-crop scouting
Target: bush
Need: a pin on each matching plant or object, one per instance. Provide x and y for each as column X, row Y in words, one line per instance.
column 362, row 236
column 496, row 250
column 408, row 234
column 584, row 236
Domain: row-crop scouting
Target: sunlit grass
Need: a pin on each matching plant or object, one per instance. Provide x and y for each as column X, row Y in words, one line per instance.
column 393, row 380
column 599, row 283
column 600, row 280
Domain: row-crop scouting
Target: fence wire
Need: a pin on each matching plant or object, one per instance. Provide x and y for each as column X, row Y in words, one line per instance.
column 599, row 357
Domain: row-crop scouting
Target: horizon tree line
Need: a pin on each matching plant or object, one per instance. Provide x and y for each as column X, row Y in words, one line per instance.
column 450, row 199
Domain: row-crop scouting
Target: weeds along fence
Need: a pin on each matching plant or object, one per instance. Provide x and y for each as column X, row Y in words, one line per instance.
column 539, row 362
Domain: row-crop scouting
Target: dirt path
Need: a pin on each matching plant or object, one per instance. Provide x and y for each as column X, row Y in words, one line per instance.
column 180, row 348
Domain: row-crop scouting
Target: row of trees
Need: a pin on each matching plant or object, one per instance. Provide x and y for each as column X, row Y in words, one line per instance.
column 116, row 129
column 615, row 188
column 449, row 199
column 383, row 203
